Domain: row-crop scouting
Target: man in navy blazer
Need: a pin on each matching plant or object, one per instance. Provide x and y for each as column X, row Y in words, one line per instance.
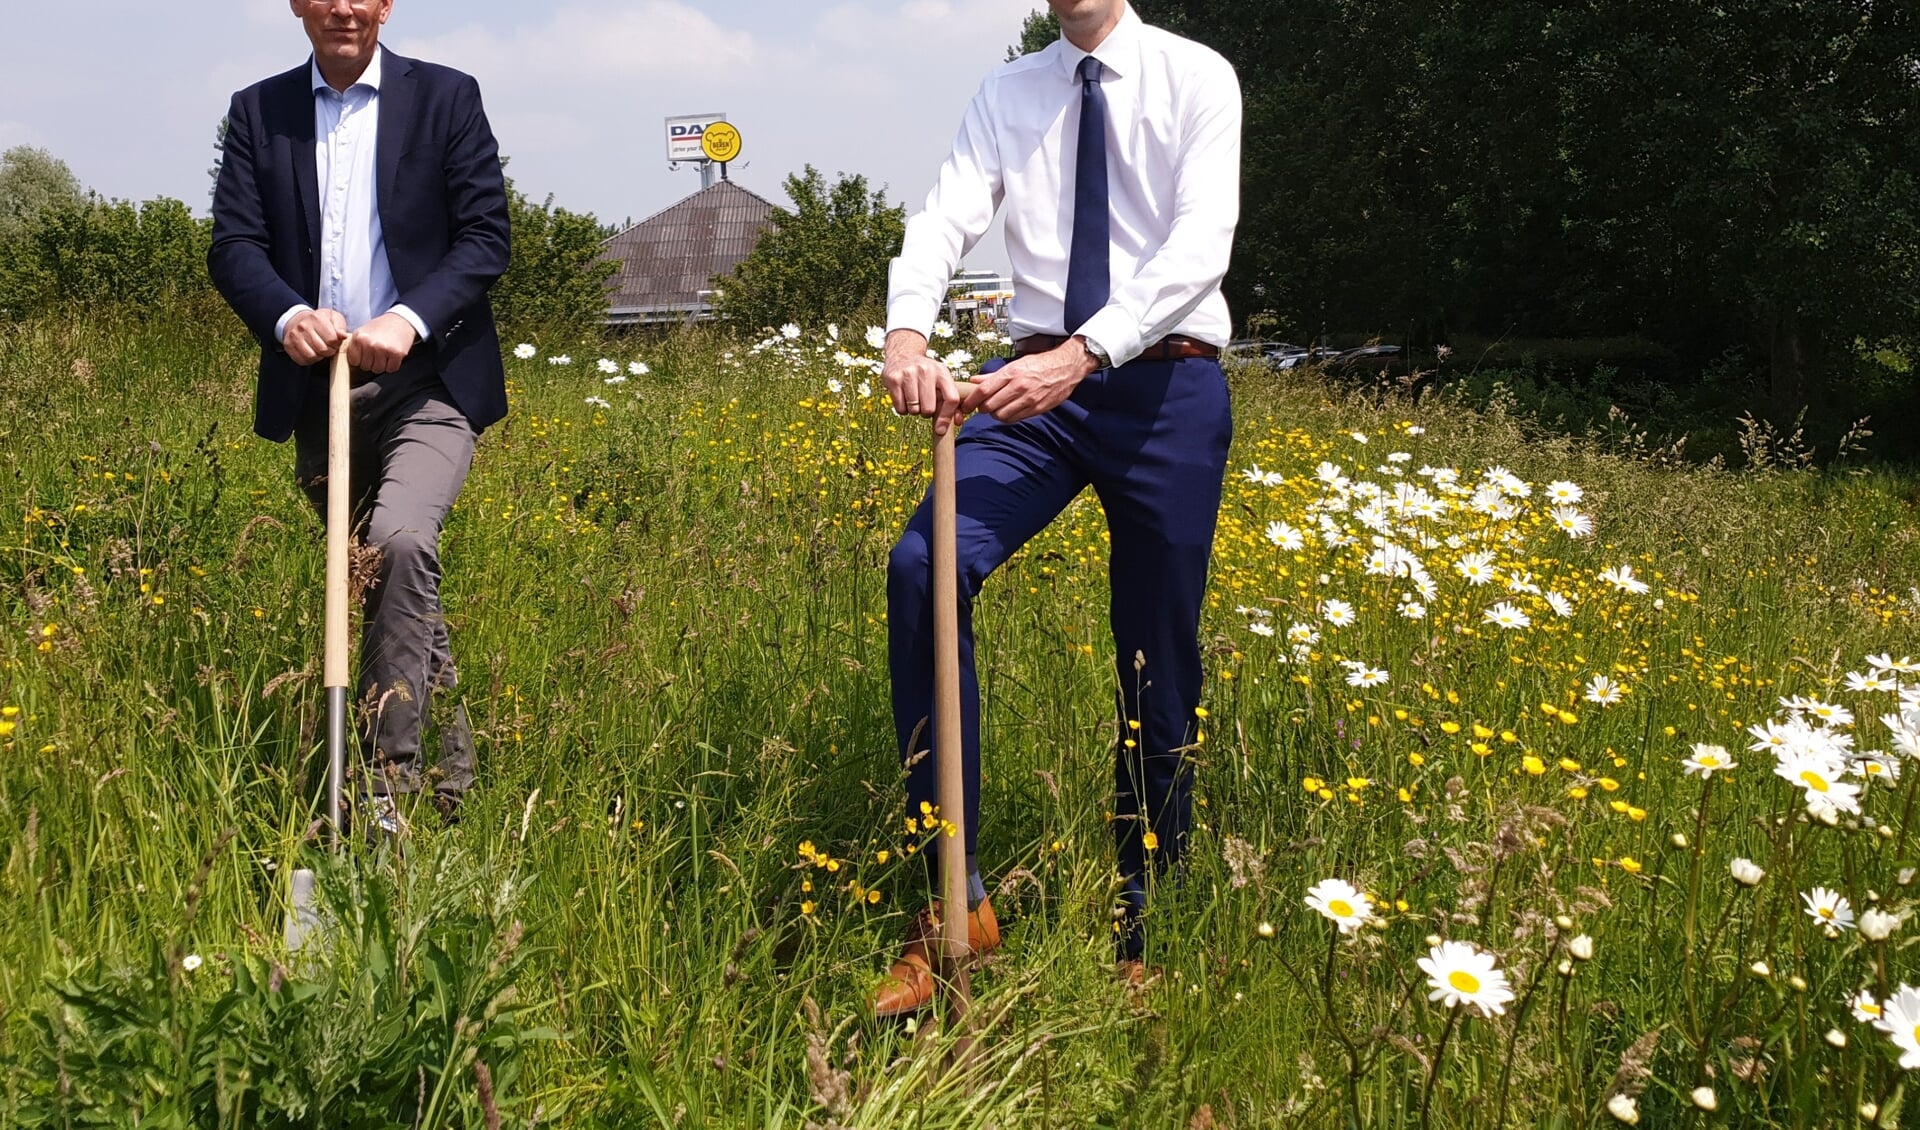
column 361, row 208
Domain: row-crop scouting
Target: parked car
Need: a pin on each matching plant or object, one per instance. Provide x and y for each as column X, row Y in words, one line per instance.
column 1367, row 356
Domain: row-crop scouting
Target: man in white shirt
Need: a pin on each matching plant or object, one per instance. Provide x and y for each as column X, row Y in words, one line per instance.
column 361, row 209
column 1116, row 152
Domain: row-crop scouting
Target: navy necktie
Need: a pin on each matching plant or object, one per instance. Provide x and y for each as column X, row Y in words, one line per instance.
column 1088, row 282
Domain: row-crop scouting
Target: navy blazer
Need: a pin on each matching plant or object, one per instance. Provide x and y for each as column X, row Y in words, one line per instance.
column 443, row 210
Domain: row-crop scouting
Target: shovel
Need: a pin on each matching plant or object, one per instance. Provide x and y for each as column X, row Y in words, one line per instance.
column 955, row 946
column 303, row 919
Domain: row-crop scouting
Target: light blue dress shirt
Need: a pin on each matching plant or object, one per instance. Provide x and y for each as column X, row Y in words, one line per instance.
column 355, row 277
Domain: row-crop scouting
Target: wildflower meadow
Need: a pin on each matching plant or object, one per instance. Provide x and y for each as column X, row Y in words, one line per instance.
column 1541, row 781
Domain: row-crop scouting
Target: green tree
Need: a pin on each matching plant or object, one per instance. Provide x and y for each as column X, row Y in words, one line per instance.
column 556, row 284
column 1039, row 29
column 1711, row 176
column 823, row 261
column 33, row 181
column 146, row 259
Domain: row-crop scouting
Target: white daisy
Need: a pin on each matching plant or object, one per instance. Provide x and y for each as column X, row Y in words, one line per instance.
column 876, row 338
column 1507, row 616
column 1477, row 568
column 1828, row 908
column 1564, row 493
column 1870, row 682
column 524, row 351
column 1819, row 779
column 1708, row 760
column 1285, row 536
column 638, row 368
column 1866, row 1007
column 1343, row 904
column 1463, row 975
column 596, row 402
column 1604, row 691
column 1361, row 675
column 1624, row 580
column 1413, row 610
column 1337, row 612
column 1305, row 635
column 1900, row 1019
column 1561, row 605
column 1885, row 662
column 1571, row 522
column 1260, row 628
column 790, row 331
column 1877, row 765
column 606, row 366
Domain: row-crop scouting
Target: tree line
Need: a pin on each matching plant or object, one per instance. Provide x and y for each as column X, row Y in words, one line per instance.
column 64, row 248
column 1728, row 178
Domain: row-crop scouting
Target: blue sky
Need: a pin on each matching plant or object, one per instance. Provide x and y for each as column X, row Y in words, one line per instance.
column 128, row 93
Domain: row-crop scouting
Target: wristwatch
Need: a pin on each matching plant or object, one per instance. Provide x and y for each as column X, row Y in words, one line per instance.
column 1095, row 351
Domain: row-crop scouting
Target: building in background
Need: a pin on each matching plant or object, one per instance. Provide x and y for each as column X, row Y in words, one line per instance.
column 669, row 260
column 980, row 300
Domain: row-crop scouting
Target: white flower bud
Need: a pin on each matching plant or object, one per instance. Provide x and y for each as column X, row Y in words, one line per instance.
column 191, row 962
column 1563, row 921
column 1679, row 839
column 1797, row 983
column 1565, row 968
column 1705, row 1099
column 1836, row 1037
column 1433, row 940
column 1869, row 1111
column 1265, row 930
column 1877, row 925
column 1828, row 816
column 1623, row 1108
column 1581, row 947
column 1746, row 872
column 1761, row 969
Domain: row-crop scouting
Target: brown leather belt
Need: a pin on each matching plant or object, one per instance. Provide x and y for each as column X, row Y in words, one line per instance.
column 1172, row 347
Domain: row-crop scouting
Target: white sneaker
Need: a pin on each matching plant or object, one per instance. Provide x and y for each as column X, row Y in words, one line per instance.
column 383, row 818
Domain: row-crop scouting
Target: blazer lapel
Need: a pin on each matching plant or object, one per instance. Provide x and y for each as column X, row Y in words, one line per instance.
column 306, row 172
column 396, row 120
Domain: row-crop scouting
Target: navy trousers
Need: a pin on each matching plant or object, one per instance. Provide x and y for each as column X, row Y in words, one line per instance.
column 1151, row 439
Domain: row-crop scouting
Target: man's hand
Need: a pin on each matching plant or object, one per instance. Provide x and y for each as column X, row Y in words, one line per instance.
column 314, row 335
column 1031, row 385
column 382, row 344
column 919, row 383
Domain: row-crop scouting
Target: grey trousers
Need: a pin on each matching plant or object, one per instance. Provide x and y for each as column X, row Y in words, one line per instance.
column 411, row 449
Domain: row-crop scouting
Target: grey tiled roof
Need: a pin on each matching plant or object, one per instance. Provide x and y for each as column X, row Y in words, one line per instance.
column 669, row 259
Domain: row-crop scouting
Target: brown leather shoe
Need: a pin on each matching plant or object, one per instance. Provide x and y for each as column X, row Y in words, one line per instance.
column 1134, row 974
column 912, row 981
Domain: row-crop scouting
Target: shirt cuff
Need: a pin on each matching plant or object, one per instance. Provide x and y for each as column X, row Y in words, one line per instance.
column 912, row 312
column 1115, row 331
column 280, row 327
column 413, row 319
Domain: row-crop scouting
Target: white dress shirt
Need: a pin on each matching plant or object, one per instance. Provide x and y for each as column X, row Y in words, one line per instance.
column 355, row 277
column 1173, row 177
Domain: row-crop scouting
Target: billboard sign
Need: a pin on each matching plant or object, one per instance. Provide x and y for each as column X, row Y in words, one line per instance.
column 685, row 133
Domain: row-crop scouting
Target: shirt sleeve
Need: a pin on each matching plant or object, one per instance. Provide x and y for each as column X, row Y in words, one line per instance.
column 958, row 212
column 412, row 319
column 1188, row 267
column 280, row 327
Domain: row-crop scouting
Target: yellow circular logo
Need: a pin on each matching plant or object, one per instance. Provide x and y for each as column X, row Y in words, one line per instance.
column 720, row 142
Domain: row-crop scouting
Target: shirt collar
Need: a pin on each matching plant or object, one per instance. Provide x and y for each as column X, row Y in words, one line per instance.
column 1117, row 52
column 371, row 76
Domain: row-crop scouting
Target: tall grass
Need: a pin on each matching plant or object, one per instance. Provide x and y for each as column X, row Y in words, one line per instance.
column 668, row 610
